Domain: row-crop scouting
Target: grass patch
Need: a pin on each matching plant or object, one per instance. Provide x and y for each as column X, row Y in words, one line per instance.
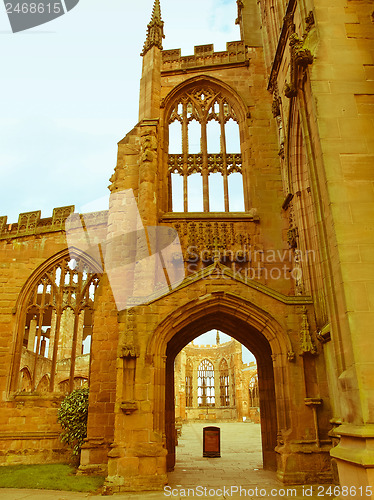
column 47, row 477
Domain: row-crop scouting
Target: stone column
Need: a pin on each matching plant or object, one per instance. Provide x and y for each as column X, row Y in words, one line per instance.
column 32, row 334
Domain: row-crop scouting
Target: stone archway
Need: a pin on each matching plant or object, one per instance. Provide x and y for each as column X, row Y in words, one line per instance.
column 256, row 330
column 294, row 440
column 253, row 340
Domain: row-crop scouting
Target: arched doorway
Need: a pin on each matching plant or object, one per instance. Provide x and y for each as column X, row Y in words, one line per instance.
column 253, row 340
column 293, row 441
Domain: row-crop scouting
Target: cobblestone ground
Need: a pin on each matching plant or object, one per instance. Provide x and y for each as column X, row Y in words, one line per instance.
column 236, row 474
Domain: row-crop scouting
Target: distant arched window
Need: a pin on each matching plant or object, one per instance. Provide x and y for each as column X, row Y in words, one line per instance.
column 43, row 385
column 204, row 150
column 57, row 326
column 205, row 384
column 224, row 383
column 79, row 382
column 25, row 380
column 189, row 374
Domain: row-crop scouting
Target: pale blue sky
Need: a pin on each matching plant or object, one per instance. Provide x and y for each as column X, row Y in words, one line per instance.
column 209, row 338
column 69, row 93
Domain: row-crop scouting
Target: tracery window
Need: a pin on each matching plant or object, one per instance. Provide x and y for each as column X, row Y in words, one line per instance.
column 205, row 384
column 58, row 323
column 189, row 374
column 204, row 160
column 224, row 383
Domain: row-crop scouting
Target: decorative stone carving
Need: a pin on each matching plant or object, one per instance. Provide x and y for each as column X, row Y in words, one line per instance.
column 203, row 240
column 291, row 356
column 3, row 221
column 129, row 348
column 301, row 57
column 28, row 222
column 155, row 30
column 60, row 214
column 171, row 55
column 148, row 145
column 240, row 5
column 195, row 163
column 290, row 90
column 324, row 335
column 288, row 22
column 306, row 341
column 292, row 237
column 309, row 21
column 128, row 407
column 276, row 107
column 203, row 50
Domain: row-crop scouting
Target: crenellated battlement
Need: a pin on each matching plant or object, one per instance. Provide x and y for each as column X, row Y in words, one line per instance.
column 252, row 365
column 204, row 56
column 31, row 223
column 209, row 346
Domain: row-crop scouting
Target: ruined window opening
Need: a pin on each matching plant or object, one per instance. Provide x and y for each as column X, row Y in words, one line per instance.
column 233, row 386
column 189, row 374
column 224, row 383
column 177, row 189
column 209, row 149
column 236, row 193
column 214, row 137
column 195, row 192
column 58, row 324
column 205, row 384
column 216, row 192
column 175, row 138
column 232, row 136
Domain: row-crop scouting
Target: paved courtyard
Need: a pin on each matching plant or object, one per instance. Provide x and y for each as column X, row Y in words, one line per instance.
column 237, row 474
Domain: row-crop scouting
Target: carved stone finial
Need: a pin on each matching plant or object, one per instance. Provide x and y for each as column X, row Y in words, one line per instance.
column 301, row 57
column 291, row 356
column 306, row 341
column 309, row 21
column 218, row 340
column 155, row 30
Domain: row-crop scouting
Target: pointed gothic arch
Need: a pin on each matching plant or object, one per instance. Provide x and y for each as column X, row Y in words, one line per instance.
column 65, row 282
column 205, row 383
column 204, row 101
column 256, row 330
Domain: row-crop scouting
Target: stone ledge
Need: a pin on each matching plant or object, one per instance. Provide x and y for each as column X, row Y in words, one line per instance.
column 355, row 431
column 30, row 223
column 10, row 436
column 232, row 216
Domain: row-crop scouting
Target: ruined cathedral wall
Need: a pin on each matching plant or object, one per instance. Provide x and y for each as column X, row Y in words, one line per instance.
column 320, row 68
column 28, row 421
column 230, row 352
column 321, row 79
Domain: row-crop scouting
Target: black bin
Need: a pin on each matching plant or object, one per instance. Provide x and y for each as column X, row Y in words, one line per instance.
column 211, row 442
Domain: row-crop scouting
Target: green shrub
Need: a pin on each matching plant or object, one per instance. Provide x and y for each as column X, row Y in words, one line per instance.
column 72, row 416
